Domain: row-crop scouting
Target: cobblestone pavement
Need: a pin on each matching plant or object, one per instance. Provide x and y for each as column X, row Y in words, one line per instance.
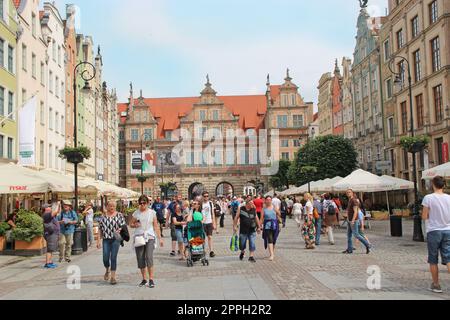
column 296, row 274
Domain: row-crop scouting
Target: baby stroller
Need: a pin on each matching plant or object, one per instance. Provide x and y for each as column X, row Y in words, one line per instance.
column 196, row 247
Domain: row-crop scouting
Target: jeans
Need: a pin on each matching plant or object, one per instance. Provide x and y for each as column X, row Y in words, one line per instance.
column 90, row 232
column 318, row 225
column 283, row 217
column 353, row 230
column 110, row 252
column 243, row 237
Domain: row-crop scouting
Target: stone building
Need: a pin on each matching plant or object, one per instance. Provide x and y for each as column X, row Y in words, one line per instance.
column 418, row 31
column 235, row 168
column 325, row 105
column 366, row 91
column 336, row 100
column 347, row 105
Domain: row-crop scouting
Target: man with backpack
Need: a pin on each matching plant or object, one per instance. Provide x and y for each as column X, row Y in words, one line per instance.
column 249, row 224
column 67, row 219
column 330, row 209
column 51, row 233
column 317, row 204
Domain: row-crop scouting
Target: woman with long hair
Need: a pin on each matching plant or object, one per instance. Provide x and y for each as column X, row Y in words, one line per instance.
column 308, row 229
column 270, row 217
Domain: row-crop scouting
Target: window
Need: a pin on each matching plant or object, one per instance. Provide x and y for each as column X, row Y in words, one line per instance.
column 57, row 86
column 293, row 100
column 24, row 96
column 417, row 66
column 285, row 156
column 59, row 55
column 50, row 119
column 42, row 73
column 392, row 158
column 2, row 14
column 369, row 154
column 400, row 39
column 202, row 115
column 122, row 162
column 433, row 11
column 401, row 71
column 387, row 50
column 168, row 134
column 57, row 122
column 1, row 146
column 2, row 52
column 404, row 115
column 50, row 82
column 419, row 106
column 298, row 121
column 10, row 148
column 282, row 121
column 2, row 101
column 296, row 143
column 50, row 156
column 378, row 148
column 365, row 86
column 285, row 143
column 54, row 50
column 435, row 54
column 24, row 57
column 438, row 107
column 10, row 59
column 415, row 26
column 405, row 160
column 33, row 24
column 63, row 126
column 388, row 88
column 216, row 115
column 42, row 113
column 41, row 153
column 10, row 104
column 63, row 95
column 440, row 158
column 148, row 134
column 374, row 80
column 121, row 135
column 33, row 65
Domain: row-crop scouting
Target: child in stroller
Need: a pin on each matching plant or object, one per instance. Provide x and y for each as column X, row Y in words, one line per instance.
column 194, row 238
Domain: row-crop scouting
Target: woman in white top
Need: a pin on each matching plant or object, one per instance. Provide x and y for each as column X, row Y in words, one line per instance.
column 146, row 224
column 297, row 212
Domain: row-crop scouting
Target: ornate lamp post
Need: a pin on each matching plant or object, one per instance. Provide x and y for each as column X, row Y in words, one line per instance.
column 86, row 76
column 399, row 80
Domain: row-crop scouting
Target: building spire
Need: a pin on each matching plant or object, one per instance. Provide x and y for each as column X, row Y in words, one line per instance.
column 336, row 67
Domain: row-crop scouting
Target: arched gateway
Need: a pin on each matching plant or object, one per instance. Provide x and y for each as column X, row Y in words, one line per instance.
column 195, row 190
column 224, row 189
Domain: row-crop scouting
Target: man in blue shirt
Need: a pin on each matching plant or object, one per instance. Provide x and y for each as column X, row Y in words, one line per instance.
column 234, row 206
column 67, row 219
column 318, row 223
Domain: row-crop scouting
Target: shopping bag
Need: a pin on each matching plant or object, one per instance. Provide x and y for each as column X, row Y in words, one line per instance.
column 234, row 243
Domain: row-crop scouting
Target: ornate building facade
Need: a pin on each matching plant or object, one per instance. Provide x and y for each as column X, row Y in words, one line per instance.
column 155, row 124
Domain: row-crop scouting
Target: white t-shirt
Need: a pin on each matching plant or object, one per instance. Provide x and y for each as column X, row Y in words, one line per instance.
column 276, row 203
column 90, row 216
column 297, row 208
column 309, row 207
column 439, row 217
column 207, row 214
column 146, row 219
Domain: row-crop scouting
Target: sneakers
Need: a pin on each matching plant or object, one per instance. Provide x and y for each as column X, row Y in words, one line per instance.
column 173, row 254
column 50, row 266
column 212, row 254
column 347, row 252
column 143, row 284
column 241, row 257
column 68, row 260
column 435, row 288
column 151, row 283
column 252, row 259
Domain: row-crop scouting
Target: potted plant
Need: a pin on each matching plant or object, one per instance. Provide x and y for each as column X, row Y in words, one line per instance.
column 28, row 234
column 414, row 144
column 3, row 228
column 75, row 155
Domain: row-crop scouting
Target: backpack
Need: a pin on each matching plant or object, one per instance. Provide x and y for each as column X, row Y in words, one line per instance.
column 331, row 210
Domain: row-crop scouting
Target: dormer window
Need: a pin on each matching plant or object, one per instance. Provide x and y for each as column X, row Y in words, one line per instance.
column 168, row 135
column 202, row 115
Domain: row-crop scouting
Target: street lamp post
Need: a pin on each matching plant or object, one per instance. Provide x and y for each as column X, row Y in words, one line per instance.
column 86, row 76
column 399, row 77
column 142, row 179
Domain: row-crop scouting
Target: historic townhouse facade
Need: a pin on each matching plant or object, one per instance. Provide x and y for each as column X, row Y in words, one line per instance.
column 418, row 30
column 366, row 92
column 325, row 105
column 347, row 101
column 53, row 32
column 336, row 100
column 155, row 122
column 8, row 81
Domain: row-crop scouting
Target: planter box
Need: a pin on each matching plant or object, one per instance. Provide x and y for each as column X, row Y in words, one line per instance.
column 36, row 247
column 397, row 212
column 406, row 213
column 380, row 215
column 2, row 243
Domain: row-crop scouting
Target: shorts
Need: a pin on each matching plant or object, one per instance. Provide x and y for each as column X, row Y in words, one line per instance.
column 144, row 255
column 208, row 229
column 243, row 237
column 179, row 234
column 173, row 234
column 438, row 241
column 270, row 236
column 52, row 243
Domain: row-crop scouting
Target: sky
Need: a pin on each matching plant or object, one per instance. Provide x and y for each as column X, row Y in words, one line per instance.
column 167, row 47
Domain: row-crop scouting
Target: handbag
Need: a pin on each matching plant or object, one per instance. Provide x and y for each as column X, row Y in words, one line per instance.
column 139, row 241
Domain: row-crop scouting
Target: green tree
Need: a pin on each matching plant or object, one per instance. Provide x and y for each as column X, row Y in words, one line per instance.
column 332, row 156
column 281, row 181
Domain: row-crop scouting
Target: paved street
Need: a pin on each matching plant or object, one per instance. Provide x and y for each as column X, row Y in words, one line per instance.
column 296, row 274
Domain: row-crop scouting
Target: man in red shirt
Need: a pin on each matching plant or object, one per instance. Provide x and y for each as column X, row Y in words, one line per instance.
column 259, row 203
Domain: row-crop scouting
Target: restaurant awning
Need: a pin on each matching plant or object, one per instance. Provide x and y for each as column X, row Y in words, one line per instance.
column 15, row 179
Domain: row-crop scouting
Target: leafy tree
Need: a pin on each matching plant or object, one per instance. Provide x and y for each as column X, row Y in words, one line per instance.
column 280, row 181
column 331, row 156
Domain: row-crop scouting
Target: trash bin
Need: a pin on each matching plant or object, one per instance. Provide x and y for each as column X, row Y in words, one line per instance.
column 396, row 226
column 84, row 239
column 77, row 247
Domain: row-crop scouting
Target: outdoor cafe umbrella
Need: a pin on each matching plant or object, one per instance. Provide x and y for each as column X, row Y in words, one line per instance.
column 443, row 170
column 15, row 179
column 398, row 184
column 363, row 181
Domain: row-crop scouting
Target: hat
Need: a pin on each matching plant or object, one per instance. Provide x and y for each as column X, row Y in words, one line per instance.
column 234, row 198
column 67, row 203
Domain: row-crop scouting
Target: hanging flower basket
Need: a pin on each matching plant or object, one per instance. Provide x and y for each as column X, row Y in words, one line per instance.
column 75, row 155
column 414, row 144
column 142, row 179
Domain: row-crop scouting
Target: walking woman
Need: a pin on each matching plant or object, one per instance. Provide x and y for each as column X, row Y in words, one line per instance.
column 270, row 217
column 308, row 229
column 145, row 222
column 179, row 222
column 297, row 210
column 110, row 226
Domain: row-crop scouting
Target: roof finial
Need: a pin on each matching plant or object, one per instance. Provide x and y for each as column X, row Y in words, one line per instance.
column 288, row 77
column 141, row 94
column 268, row 79
column 131, row 88
column 99, row 50
column 207, row 80
column 363, row 3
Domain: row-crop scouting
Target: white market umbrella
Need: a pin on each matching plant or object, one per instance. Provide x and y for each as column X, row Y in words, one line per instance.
column 443, row 170
column 15, row 179
column 363, row 181
column 398, row 184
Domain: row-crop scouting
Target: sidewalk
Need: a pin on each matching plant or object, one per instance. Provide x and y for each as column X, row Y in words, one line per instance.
column 296, row 274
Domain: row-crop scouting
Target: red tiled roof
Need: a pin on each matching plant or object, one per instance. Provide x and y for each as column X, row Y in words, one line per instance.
column 274, row 92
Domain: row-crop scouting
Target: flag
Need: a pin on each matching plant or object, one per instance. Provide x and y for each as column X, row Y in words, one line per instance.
column 27, row 133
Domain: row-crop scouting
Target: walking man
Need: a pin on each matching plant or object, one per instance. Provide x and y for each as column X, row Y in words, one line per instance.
column 67, row 220
column 249, row 224
column 436, row 212
column 318, row 222
column 209, row 222
column 353, row 225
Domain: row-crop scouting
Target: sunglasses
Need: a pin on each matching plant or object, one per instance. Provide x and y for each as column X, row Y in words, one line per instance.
column 142, row 203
